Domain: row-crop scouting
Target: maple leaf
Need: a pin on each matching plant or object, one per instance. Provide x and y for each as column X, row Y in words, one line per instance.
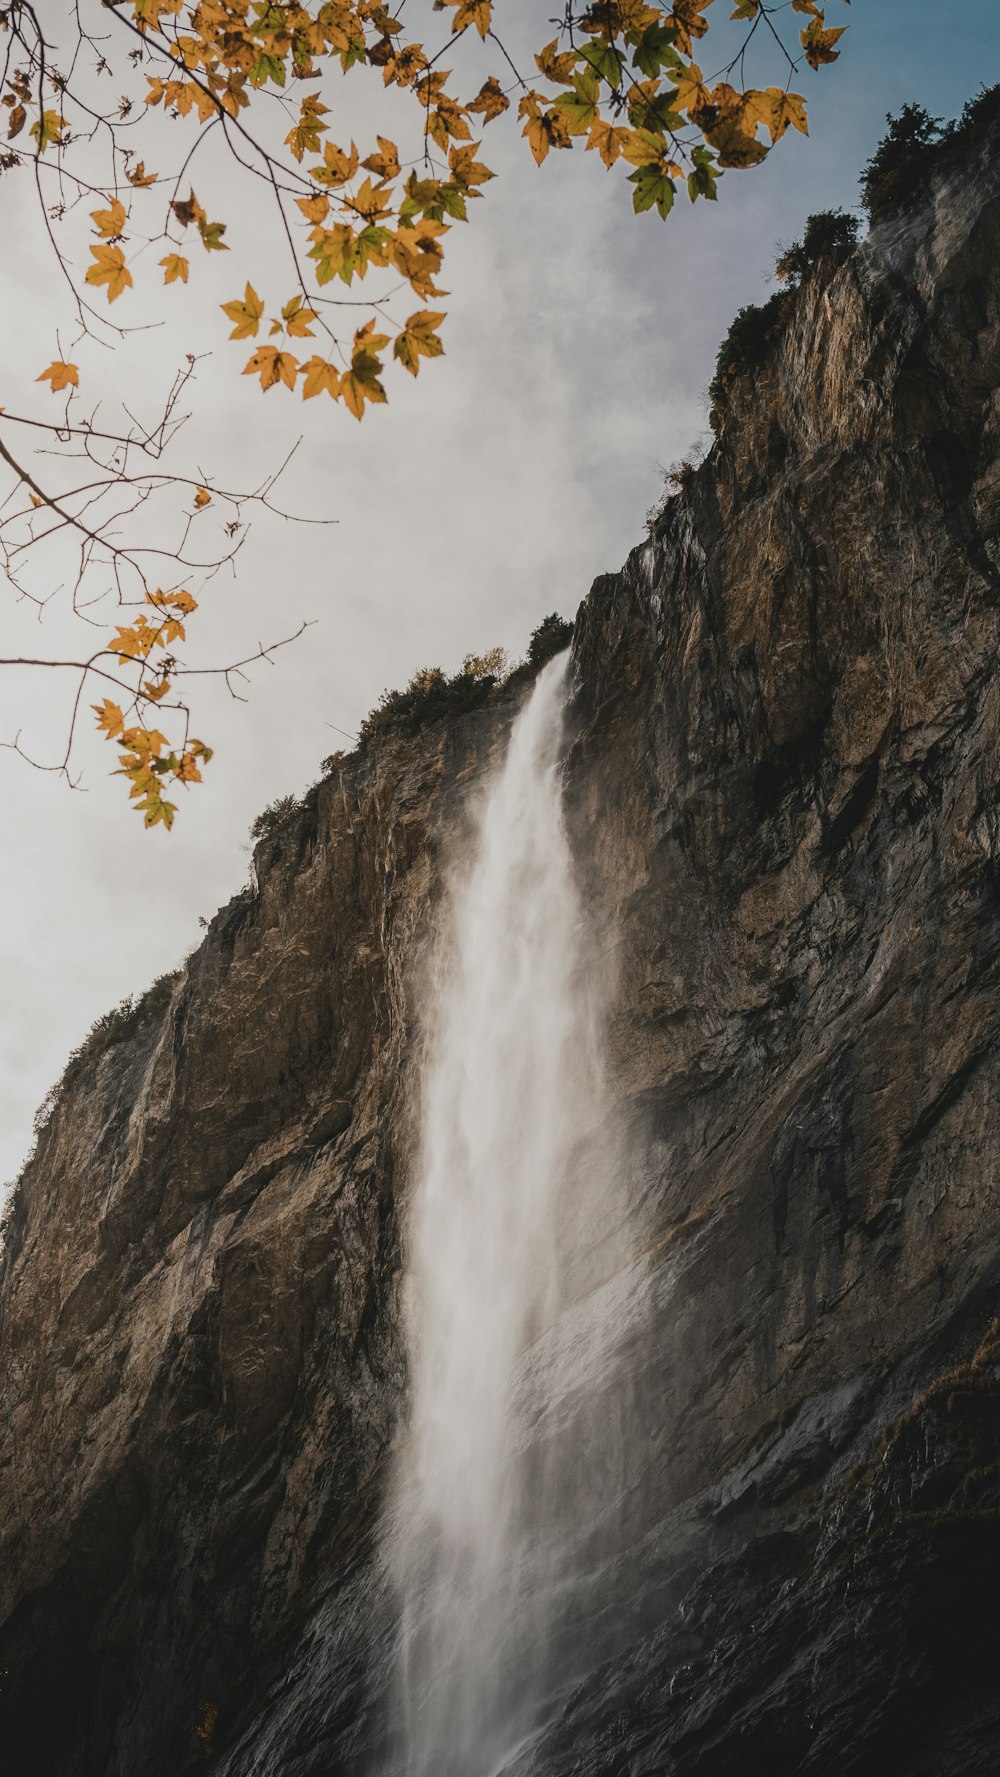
column 560, row 69
column 690, row 89
column 61, row 376
column 337, row 167
column 490, row 101
column 246, row 314
column 418, row 339
column 272, row 367
column 110, row 269
column 48, row 130
column 109, row 718
column 139, row 177
column 16, row 122
column 174, row 266
column 202, row 499
column 653, row 186
column 542, row 129
column 688, row 23
column 473, row 12
column 318, row 376
column 791, row 110
column 304, row 138
column 609, row 141
column 384, row 164
column 361, row 382
column 314, row 209
column 818, row 42
column 109, row 223
column 297, row 318
column 211, row 237
column 187, row 210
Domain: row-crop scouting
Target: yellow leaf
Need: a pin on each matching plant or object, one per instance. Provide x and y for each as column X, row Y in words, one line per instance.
column 385, row 164
column 202, row 499
column 61, row 376
column 338, row 167
column 110, row 269
column 48, row 128
column 608, row 141
column 560, row 69
column 246, row 314
column 314, row 209
column 319, row 375
column 35, row 501
column 174, row 266
column 109, row 718
column 272, row 367
column 490, row 101
column 419, row 340
column 139, row 177
column 792, row 110
column 109, row 223
column 818, row 43
column 473, row 12
column 297, row 318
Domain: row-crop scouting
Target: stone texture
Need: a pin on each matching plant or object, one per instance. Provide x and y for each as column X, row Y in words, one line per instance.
column 783, row 781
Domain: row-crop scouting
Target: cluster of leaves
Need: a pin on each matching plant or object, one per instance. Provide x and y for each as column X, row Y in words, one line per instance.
column 147, row 759
column 619, row 77
column 913, row 147
column 354, row 226
column 432, row 695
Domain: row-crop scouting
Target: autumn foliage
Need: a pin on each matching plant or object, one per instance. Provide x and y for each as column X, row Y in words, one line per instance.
column 353, row 225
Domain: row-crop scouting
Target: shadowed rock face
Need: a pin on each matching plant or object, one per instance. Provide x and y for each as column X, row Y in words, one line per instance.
column 784, row 783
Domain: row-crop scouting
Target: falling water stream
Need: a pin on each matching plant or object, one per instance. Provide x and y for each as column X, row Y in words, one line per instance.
column 513, row 1459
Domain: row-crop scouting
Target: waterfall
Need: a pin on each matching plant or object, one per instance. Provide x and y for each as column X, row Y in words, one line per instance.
column 513, row 1461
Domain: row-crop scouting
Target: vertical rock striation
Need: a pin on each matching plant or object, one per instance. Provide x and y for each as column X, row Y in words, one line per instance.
column 785, row 782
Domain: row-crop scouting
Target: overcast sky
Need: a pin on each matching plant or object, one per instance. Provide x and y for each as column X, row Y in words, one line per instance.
column 580, row 340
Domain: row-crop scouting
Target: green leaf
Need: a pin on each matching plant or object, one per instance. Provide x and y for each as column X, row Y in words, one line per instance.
column 604, row 62
column 652, row 187
column 655, row 51
column 704, row 177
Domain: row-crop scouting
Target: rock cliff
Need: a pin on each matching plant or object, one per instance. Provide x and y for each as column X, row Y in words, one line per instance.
column 783, row 780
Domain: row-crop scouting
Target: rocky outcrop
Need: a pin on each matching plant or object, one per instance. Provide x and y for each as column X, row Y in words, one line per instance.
column 784, row 782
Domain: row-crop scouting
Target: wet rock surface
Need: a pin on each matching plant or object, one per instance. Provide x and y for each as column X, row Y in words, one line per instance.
column 783, row 784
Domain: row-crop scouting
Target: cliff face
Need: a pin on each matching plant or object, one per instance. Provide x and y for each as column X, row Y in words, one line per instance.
column 784, row 782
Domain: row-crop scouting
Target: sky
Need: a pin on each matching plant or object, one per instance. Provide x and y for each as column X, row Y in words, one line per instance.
column 579, row 344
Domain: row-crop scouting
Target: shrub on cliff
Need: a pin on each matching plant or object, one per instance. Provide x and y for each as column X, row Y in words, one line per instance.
column 431, row 695
column 914, row 146
column 745, row 345
column 266, row 824
column 828, row 239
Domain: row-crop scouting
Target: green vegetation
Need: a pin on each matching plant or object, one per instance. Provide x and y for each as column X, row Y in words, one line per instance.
column 914, row 146
column 830, row 237
column 745, row 346
column 432, row 695
column 270, row 818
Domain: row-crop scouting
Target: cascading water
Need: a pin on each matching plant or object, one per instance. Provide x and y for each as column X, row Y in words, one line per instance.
column 515, row 1240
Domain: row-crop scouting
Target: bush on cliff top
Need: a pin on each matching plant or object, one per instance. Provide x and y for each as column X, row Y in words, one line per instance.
column 431, row 694
column 914, row 146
